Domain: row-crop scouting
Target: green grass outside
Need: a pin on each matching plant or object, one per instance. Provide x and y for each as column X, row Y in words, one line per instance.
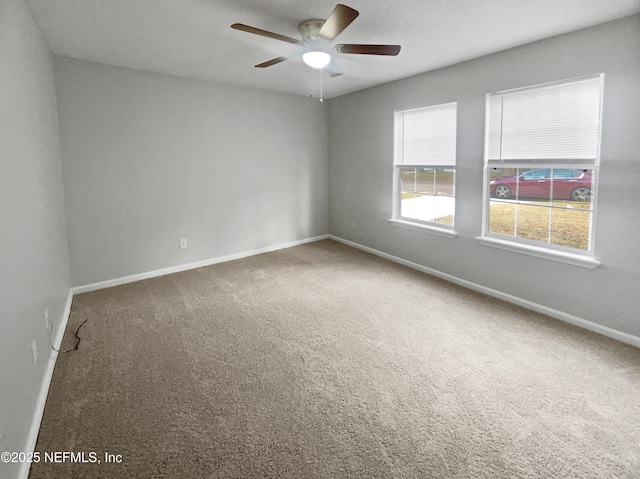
column 569, row 222
column 409, row 195
column 427, row 176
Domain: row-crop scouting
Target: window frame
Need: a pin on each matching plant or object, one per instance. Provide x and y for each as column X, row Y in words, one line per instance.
column 574, row 256
column 442, row 229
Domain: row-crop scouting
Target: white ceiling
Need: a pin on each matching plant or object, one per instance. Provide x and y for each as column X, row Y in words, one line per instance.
column 192, row 38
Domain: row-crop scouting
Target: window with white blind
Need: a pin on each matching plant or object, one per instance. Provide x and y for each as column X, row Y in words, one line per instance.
column 542, row 157
column 425, row 167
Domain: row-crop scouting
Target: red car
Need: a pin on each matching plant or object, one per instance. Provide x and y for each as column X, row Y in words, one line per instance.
column 573, row 185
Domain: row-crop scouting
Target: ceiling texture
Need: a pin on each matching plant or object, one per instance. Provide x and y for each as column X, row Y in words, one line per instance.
column 193, row 38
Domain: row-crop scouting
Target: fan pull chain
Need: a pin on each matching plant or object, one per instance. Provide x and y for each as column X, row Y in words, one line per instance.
column 312, row 82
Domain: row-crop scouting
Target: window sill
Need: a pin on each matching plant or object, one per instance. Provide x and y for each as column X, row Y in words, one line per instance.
column 447, row 233
column 540, row 252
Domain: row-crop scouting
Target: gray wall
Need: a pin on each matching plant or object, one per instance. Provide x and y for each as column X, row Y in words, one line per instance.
column 360, row 173
column 34, row 266
column 149, row 159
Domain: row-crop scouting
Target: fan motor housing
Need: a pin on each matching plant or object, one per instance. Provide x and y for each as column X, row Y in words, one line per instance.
column 310, row 28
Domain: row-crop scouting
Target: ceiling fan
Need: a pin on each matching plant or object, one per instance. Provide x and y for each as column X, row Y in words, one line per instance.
column 317, row 35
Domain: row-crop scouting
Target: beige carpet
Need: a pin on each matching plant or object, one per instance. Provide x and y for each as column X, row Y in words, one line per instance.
column 321, row 361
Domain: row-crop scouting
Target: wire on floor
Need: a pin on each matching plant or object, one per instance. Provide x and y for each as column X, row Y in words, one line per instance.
column 75, row 334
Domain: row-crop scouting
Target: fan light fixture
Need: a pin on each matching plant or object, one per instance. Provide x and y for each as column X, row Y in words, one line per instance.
column 316, row 59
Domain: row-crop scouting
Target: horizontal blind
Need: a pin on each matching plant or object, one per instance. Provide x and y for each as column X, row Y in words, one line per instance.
column 554, row 122
column 426, row 136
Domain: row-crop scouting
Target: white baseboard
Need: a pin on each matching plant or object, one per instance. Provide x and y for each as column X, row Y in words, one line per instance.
column 184, row 267
column 32, row 438
column 554, row 313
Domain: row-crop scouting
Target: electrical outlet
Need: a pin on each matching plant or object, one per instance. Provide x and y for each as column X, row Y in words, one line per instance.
column 183, row 243
column 353, row 225
column 46, row 319
column 34, row 351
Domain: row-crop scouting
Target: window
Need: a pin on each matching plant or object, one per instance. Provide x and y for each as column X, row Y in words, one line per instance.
column 541, row 162
column 425, row 168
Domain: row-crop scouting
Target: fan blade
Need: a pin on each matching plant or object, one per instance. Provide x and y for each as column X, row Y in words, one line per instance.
column 265, row 33
column 340, row 18
column 275, row 61
column 357, row 49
